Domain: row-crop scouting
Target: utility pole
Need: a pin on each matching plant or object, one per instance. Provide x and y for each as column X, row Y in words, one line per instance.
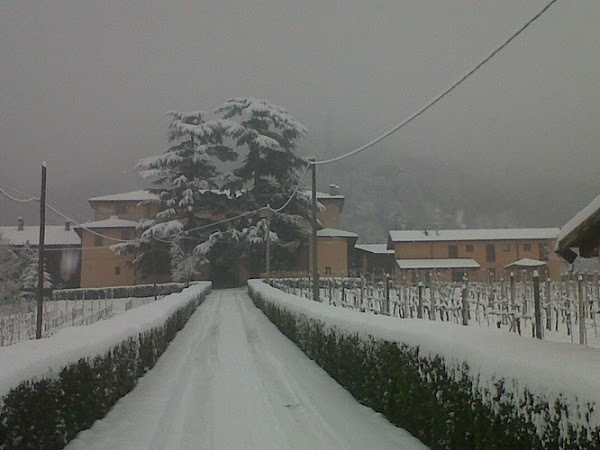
column 40, row 289
column 267, row 213
column 315, row 260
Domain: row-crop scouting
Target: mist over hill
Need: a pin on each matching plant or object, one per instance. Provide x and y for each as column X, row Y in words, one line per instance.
column 391, row 191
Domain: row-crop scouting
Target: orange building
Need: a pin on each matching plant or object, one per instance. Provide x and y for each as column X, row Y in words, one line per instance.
column 486, row 253
column 116, row 217
column 582, row 232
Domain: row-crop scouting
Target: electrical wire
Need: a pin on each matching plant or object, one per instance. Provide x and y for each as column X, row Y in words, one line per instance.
column 183, row 232
column 18, row 200
column 443, row 94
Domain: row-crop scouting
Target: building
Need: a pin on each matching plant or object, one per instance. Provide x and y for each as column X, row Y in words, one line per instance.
column 133, row 206
column 334, row 249
column 582, row 233
column 62, row 249
column 116, row 217
column 333, row 203
column 374, row 259
column 484, row 253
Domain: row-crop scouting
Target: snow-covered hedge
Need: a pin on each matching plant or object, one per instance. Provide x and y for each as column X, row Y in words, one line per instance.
column 51, row 389
column 140, row 290
column 450, row 386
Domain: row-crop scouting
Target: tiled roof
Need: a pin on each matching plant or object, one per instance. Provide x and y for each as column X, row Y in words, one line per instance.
column 54, row 236
column 334, row 232
column 583, row 219
column 133, row 196
column 473, row 234
column 113, row 222
column 377, row 249
column 451, row 263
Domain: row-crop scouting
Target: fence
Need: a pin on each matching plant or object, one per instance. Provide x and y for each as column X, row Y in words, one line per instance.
column 63, row 313
column 564, row 306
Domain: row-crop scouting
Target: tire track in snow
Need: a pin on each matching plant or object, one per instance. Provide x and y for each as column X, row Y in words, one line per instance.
column 139, row 419
column 324, row 414
column 303, row 419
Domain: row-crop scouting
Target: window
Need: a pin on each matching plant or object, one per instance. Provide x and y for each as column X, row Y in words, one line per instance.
column 527, row 247
column 457, row 276
column 452, row 251
column 125, row 235
column 121, row 209
column 543, row 250
column 117, row 270
column 469, row 248
column 490, row 253
column 98, row 242
column 506, row 247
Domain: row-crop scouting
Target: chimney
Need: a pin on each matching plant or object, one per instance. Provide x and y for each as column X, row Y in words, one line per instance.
column 20, row 224
column 334, row 189
column 68, row 225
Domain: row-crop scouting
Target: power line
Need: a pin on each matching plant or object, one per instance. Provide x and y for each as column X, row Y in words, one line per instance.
column 183, row 232
column 443, row 94
column 18, row 200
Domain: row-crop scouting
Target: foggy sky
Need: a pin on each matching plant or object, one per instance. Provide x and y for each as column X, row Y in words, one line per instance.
column 84, row 85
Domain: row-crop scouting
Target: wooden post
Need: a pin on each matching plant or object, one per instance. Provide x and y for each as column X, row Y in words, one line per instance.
column 315, row 259
column 582, row 314
column 537, row 305
column 548, row 302
column 42, row 236
column 387, row 294
column 420, row 307
column 465, row 301
column 431, row 302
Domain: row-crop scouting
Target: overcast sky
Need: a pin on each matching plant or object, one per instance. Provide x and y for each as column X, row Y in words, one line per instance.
column 84, row 85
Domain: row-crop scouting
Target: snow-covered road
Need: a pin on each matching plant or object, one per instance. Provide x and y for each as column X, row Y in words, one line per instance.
column 231, row 380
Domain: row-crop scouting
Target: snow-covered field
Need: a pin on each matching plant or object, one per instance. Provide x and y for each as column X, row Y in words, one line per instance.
column 59, row 314
column 490, row 305
column 231, row 380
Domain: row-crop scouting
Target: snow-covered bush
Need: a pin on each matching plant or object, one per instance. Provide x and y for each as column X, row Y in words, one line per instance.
column 53, row 388
column 450, row 386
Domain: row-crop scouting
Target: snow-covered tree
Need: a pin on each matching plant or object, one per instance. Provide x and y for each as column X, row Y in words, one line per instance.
column 10, row 286
column 267, row 134
column 187, row 182
column 29, row 264
column 198, row 180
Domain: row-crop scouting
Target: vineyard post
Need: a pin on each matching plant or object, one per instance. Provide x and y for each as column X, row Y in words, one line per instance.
column 548, row 302
column 513, row 301
column 420, row 293
column 582, row 315
column 431, row 301
column 537, row 305
column 387, row 294
column 465, row 301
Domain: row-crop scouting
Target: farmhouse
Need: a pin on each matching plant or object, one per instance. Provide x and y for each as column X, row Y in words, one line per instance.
column 582, row 232
column 374, row 259
column 116, row 217
column 62, row 245
column 483, row 253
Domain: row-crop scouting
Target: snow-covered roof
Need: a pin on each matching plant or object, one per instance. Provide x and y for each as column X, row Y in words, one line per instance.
column 433, row 263
column 526, row 262
column 147, row 196
column 578, row 224
column 113, row 222
column 334, row 232
column 55, row 235
column 133, row 196
column 377, row 249
column 326, row 196
column 473, row 234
